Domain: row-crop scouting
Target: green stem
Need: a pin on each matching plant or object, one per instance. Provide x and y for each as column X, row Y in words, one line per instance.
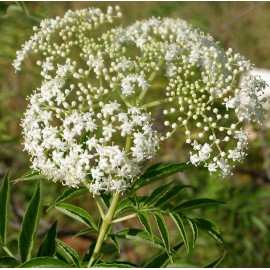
column 105, row 227
column 124, row 218
column 99, row 205
column 155, row 103
column 151, row 78
column 6, row 249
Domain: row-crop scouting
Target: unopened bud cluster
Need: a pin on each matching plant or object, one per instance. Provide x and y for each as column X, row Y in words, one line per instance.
column 91, row 120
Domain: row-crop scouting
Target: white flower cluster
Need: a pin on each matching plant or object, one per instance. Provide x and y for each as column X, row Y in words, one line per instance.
column 91, row 120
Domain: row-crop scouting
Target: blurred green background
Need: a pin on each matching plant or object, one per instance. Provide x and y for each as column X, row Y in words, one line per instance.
column 245, row 219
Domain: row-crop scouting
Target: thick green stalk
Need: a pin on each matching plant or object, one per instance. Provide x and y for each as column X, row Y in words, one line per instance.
column 105, row 227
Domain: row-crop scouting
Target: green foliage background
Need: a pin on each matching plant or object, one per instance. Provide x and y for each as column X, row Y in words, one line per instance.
column 244, row 220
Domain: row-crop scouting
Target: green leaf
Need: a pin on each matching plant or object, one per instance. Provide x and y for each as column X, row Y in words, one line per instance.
column 143, row 217
column 76, row 213
column 4, row 207
column 170, row 194
column 197, row 203
column 8, row 261
column 115, row 265
column 162, row 259
column 208, row 227
column 67, row 195
column 123, row 206
column 106, row 198
column 216, row 262
column 155, row 195
column 45, row 262
column 83, row 232
column 47, row 247
column 180, row 225
column 29, row 225
column 194, row 230
column 140, row 236
column 70, row 252
column 30, row 176
column 97, row 259
column 159, row 171
column 163, row 230
column 115, row 241
column 61, row 255
column 87, row 256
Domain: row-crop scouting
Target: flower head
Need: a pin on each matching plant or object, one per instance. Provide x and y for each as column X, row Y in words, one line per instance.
column 91, row 119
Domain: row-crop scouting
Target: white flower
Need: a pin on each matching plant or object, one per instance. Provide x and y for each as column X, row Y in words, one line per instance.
column 94, row 112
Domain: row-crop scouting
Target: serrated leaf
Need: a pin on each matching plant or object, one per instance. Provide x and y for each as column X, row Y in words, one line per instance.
column 115, row 241
column 70, row 252
column 159, row 171
column 163, row 230
column 67, row 195
column 170, row 194
column 83, row 232
column 61, row 255
column 216, row 262
column 4, row 207
column 143, row 217
column 76, row 213
column 180, row 225
column 115, row 265
column 8, row 262
column 162, row 259
column 124, row 206
column 45, row 262
column 87, row 256
column 155, row 195
column 29, row 225
column 97, row 259
column 140, row 236
column 197, row 203
column 30, row 176
column 208, row 227
column 194, row 230
column 47, row 247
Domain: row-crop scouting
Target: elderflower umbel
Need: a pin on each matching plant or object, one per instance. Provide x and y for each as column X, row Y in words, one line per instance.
column 91, row 122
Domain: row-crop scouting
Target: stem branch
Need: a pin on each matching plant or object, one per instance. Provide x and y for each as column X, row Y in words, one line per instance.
column 105, row 227
column 124, row 218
